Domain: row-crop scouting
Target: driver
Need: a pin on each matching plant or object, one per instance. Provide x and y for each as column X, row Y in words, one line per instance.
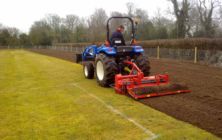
column 118, row 36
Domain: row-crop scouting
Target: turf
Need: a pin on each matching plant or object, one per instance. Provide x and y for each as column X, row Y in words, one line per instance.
column 39, row 100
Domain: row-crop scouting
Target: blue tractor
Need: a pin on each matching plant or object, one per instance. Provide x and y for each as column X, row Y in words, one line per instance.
column 106, row 61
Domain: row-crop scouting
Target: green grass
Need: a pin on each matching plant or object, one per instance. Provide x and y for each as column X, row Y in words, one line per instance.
column 39, row 101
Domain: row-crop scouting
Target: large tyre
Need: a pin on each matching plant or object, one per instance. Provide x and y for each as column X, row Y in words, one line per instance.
column 88, row 70
column 143, row 63
column 105, row 69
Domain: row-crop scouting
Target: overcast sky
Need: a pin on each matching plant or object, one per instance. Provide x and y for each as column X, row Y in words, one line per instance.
column 22, row 13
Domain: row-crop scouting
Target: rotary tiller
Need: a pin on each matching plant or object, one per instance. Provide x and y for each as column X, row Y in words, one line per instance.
column 138, row 86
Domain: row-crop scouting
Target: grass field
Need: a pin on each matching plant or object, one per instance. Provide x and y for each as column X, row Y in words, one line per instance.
column 47, row 98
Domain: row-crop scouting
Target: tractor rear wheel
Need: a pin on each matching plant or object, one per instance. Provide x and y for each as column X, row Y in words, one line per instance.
column 105, row 69
column 143, row 63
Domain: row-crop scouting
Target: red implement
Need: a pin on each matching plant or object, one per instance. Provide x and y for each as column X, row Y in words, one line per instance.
column 138, row 86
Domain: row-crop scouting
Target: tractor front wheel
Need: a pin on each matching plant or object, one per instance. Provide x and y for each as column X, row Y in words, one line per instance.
column 106, row 69
column 88, row 70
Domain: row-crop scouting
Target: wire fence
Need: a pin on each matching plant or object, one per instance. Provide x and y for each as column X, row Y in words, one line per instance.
column 195, row 55
column 209, row 57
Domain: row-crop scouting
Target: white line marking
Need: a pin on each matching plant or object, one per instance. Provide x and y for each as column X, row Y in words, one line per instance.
column 151, row 135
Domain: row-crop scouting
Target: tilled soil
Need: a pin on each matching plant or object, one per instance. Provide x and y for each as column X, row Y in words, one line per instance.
column 202, row 107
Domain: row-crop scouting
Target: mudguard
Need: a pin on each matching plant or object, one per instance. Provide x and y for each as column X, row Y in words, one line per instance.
column 138, row 49
column 89, row 53
column 107, row 50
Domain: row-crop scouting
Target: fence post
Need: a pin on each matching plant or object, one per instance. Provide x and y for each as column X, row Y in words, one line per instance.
column 195, row 55
column 158, row 52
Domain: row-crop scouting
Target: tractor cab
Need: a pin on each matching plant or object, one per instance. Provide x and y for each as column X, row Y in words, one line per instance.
column 121, row 48
column 118, row 41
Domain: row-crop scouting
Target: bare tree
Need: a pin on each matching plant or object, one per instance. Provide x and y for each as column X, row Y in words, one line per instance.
column 97, row 24
column 130, row 9
column 145, row 27
column 163, row 26
column 182, row 17
column 13, row 32
column 55, row 22
column 81, row 31
column 40, row 33
column 219, row 22
column 160, row 20
column 71, row 22
column 206, row 9
column 142, row 15
column 220, row 16
column 220, row 12
column 194, row 20
column 1, row 26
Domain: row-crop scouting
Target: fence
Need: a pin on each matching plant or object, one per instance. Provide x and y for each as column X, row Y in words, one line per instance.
column 196, row 55
column 212, row 57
